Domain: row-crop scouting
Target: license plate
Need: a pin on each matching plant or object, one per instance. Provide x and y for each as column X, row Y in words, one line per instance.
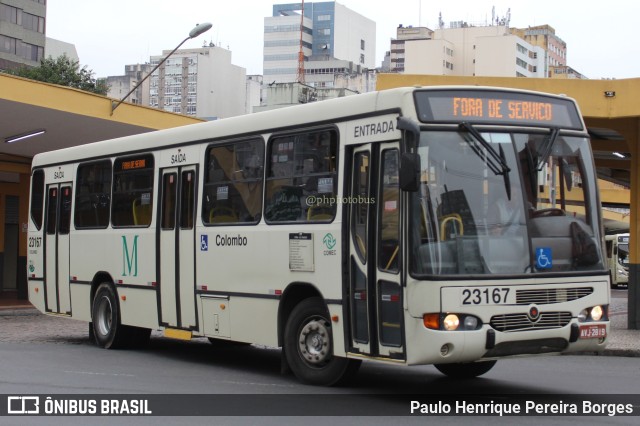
column 594, row 331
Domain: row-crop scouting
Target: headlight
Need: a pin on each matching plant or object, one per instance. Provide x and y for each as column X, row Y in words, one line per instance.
column 451, row 322
column 595, row 313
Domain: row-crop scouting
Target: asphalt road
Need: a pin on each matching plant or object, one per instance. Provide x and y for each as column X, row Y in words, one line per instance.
column 53, row 356
column 49, row 355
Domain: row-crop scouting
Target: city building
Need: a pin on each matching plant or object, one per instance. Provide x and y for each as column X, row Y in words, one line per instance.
column 397, row 52
column 489, row 48
column 56, row 48
column 468, row 50
column 199, row 82
column 120, row 85
column 545, row 37
column 326, row 32
column 565, row 71
column 22, row 33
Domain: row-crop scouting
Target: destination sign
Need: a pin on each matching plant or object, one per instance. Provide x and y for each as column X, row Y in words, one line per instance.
column 134, row 163
column 496, row 107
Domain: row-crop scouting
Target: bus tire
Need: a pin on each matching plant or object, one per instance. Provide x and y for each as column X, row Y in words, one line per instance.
column 308, row 348
column 108, row 332
column 465, row 370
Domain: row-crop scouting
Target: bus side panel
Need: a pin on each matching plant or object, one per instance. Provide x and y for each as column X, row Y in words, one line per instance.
column 254, row 320
column 138, row 307
column 36, row 294
column 127, row 255
column 81, row 301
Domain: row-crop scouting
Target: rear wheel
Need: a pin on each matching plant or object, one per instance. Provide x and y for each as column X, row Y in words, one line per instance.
column 308, row 346
column 108, row 332
column 467, row 370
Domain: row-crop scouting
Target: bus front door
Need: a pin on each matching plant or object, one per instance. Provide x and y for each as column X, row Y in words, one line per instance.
column 56, row 248
column 375, row 305
column 177, row 247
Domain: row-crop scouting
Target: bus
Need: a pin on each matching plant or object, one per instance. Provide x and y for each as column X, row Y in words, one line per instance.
column 451, row 226
column 617, row 248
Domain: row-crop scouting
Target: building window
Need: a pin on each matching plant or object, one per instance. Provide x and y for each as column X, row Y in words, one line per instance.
column 323, row 18
column 33, row 22
column 361, row 44
column 362, row 58
column 7, row 44
column 28, row 51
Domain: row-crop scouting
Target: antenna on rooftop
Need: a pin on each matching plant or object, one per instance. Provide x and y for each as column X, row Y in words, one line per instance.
column 300, row 73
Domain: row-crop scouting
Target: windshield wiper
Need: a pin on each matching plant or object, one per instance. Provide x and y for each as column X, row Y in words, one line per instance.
column 546, row 147
column 495, row 161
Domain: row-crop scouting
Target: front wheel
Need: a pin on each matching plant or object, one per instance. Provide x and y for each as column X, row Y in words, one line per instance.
column 467, row 370
column 308, row 346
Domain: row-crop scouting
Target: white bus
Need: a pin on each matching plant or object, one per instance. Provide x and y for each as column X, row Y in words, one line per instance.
column 406, row 226
column 618, row 258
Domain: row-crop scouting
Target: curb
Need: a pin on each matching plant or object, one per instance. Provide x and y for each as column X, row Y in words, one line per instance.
column 19, row 311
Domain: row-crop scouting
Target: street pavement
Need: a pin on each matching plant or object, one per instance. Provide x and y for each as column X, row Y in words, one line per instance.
column 23, row 323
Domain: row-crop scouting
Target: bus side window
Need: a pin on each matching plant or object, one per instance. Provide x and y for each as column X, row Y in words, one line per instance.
column 389, row 232
column 233, row 183
column 302, row 177
column 132, row 191
column 37, row 198
column 93, row 195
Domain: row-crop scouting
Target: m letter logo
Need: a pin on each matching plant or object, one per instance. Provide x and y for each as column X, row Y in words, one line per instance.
column 130, row 261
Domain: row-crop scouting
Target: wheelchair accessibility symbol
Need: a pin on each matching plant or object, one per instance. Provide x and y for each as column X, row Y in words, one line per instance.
column 543, row 258
column 204, row 243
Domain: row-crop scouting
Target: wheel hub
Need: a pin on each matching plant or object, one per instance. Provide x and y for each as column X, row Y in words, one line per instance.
column 314, row 342
column 104, row 316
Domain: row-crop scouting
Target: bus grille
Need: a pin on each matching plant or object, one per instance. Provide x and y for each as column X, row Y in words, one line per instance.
column 521, row 322
column 551, row 295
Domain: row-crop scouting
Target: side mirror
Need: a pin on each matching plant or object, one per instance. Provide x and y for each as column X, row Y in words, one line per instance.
column 410, row 172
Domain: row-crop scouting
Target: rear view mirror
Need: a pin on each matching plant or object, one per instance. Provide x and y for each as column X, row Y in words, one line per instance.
column 409, row 172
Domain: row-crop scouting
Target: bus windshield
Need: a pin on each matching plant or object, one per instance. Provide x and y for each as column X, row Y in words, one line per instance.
column 533, row 214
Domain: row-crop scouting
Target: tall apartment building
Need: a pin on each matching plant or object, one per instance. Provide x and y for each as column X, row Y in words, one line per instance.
column 199, row 82
column 474, row 51
column 22, row 32
column 330, row 31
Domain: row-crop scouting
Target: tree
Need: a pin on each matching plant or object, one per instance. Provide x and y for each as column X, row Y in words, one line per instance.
column 65, row 72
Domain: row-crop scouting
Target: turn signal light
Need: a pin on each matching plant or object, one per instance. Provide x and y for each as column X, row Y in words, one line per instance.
column 431, row 321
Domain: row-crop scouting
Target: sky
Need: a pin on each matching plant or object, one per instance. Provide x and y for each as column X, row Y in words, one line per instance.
column 601, row 37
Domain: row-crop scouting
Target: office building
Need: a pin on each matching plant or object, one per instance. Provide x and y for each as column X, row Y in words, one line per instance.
column 328, row 31
column 22, row 33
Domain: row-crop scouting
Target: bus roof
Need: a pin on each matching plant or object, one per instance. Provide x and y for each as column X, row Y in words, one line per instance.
column 316, row 113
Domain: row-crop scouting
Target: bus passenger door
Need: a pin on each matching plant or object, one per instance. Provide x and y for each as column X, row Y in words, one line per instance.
column 177, row 247
column 375, row 291
column 56, row 245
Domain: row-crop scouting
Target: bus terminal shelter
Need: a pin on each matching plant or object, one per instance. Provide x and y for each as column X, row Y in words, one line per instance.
column 37, row 117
